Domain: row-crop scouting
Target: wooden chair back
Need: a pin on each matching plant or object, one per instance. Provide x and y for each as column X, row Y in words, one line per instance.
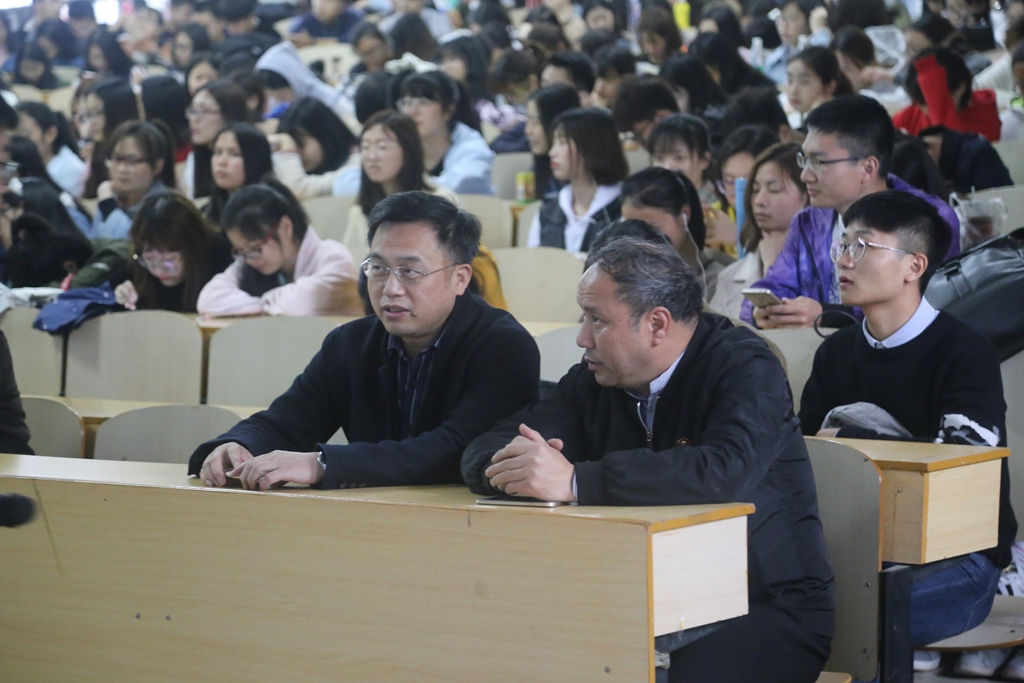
column 38, row 357
column 254, row 361
column 161, row 433
column 495, row 216
column 329, row 215
column 56, row 430
column 540, row 284
column 558, row 352
column 798, row 346
column 136, row 356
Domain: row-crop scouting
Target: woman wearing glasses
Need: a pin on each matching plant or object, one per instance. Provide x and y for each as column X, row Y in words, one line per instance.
column 141, row 163
column 106, row 106
column 175, row 256
column 281, row 267
column 735, row 160
column 213, row 106
column 774, row 195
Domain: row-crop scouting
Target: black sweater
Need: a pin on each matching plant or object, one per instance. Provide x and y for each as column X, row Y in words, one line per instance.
column 724, row 431
column 486, row 368
column 13, row 432
column 942, row 385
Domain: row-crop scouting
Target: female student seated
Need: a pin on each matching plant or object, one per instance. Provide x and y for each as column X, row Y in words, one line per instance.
column 175, row 256
column 543, row 107
column 813, row 78
column 23, row 152
column 106, row 106
column 735, row 159
column 775, row 194
column 32, row 67
column 311, row 147
column 281, row 267
column 241, row 156
column 682, row 142
column 52, row 137
column 213, row 106
column 587, row 156
column 141, row 164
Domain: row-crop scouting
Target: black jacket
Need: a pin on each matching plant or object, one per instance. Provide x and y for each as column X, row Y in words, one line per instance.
column 487, row 366
column 552, row 222
column 970, row 162
column 13, row 431
column 724, row 431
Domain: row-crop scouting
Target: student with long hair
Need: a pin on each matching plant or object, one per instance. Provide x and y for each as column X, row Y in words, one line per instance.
column 733, row 161
column 281, row 267
column 32, row 67
column 587, row 156
column 775, row 193
column 50, row 133
column 455, row 154
column 23, row 152
column 241, row 156
column 213, row 106
column 141, row 164
column 311, row 147
column 175, row 255
column 658, row 34
column 106, row 106
column 727, row 67
column 189, row 40
column 696, row 91
column 105, row 55
column 813, row 78
column 543, row 107
column 682, row 142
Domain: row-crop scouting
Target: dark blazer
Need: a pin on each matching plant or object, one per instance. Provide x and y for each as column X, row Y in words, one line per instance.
column 724, row 431
column 14, row 434
column 970, row 162
column 487, row 367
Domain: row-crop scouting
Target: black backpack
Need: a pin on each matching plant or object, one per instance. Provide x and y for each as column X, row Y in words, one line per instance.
column 984, row 287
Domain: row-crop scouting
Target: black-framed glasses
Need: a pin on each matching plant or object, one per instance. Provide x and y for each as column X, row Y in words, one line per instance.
column 815, row 165
column 405, row 274
column 250, row 255
column 857, row 249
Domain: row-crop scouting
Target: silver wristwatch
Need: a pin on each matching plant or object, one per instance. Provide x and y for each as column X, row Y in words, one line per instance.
column 320, row 459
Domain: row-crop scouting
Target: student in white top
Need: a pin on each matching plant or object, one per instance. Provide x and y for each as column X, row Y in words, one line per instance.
column 775, row 195
column 281, row 267
column 587, row 156
column 52, row 137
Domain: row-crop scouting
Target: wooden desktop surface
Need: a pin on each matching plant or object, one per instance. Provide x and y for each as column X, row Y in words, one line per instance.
column 133, row 571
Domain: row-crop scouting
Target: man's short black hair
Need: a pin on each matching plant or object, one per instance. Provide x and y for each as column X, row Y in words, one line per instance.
column 579, row 66
column 236, row 10
column 639, row 98
column 649, row 275
column 916, row 223
column 755, row 107
column 81, row 9
column 592, row 41
column 861, row 124
column 457, row 231
column 617, row 58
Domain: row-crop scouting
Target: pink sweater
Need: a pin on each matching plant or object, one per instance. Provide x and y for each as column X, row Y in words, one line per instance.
column 324, row 284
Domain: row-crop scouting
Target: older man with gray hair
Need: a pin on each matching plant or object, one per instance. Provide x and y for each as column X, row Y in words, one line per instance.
column 672, row 406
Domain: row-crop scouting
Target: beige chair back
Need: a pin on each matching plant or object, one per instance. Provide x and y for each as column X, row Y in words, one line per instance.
column 56, row 430
column 1013, row 198
column 27, row 93
column 283, row 27
column 558, row 352
column 60, row 100
column 1012, row 154
column 68, row 74
column 638, row 159
column 525, row 219
column 798, row 346
column 1013, row 392
column 329, row 215
column 540, row 284
column 136, row 356
column 849, row 488
column 161, row 433
column 495, row 216
column 252, row 362
column 503, row 173
column 489, row 131
column 38, row 357
column 338, row 58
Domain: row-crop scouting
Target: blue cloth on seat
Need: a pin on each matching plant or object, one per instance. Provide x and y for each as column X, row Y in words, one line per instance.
column 74, row 307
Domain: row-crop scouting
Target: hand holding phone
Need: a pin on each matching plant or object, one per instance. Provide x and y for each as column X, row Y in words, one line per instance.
column 760, row 297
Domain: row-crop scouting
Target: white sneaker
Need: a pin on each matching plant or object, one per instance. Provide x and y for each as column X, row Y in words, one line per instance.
column 981, row 664
column 926, row 660
column 1014, row 669
column 1011, row 582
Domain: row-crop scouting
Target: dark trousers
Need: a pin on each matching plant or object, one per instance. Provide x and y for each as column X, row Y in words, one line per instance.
column 767, row 645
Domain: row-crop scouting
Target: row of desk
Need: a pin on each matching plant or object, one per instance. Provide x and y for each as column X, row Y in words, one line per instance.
column 133, row 571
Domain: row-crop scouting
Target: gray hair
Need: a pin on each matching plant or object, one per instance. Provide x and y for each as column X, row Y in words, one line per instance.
column 649, row 275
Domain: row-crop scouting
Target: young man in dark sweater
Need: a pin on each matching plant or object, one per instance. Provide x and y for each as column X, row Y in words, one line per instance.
column 672, row 406
column 935, row 378
column 411, row 386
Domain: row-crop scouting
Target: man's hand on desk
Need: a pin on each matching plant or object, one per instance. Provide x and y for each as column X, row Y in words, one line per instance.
column 277, row 468
column 531, row 466
column 223, row 458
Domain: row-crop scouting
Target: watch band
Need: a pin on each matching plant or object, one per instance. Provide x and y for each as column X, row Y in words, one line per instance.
column 320, row 459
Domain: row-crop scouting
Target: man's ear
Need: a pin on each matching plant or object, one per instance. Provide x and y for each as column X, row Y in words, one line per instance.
column 660, row 320
column 918, row 266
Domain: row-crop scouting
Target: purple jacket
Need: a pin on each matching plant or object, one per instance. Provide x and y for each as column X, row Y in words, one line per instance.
column 804, row 268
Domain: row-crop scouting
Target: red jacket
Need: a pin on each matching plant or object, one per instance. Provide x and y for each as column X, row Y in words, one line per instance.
column 981, row 116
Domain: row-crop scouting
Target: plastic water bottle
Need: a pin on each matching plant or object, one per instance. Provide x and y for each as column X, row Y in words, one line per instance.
column 741, row 211
column 757, row 53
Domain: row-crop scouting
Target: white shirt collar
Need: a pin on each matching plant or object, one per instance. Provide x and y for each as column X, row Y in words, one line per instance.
column 576, row 226
column 923, row 317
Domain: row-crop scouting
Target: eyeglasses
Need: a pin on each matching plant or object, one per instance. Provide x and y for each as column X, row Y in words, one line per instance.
column 131, row 162
column 257, row 253
column 410, row 103
column 195, row 113
column 156, row 262
column 405, row 274
column 89, row 115
column 858, row 249
column 815, row 165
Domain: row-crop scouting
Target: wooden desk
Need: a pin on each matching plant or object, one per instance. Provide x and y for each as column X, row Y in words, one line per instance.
column 96, row 411
column 938, row 500
column 132, row 571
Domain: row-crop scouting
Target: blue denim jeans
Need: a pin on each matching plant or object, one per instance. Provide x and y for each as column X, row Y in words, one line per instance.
column 953, row 600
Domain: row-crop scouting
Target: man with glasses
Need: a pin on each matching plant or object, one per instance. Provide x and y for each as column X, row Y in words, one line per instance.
column 411, row 386
column 912, row 373
column 846, row 156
